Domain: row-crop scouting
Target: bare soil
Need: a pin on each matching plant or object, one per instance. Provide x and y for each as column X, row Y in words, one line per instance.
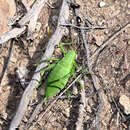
column 111, row 68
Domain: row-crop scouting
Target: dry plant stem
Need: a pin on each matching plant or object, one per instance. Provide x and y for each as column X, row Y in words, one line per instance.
column 82, row 28
column 93, row 78
column 55, row 39
column 50, row 106
column 79, row 123
column 25, row 5
column 11, row 34
column 31, row 13
column 8, row 59
column 33, row 20
column 110, row 38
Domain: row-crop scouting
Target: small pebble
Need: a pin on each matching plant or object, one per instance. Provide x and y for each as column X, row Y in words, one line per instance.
column 102, row 4
column 106, row 32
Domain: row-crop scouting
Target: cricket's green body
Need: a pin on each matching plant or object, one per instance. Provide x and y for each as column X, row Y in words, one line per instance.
column 59, row 76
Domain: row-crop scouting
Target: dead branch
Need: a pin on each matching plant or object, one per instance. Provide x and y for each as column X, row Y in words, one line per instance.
column 33, row 21
column 11, row 34
column 110, row 38
column 30, row 15
column 55, row 39
column 79, row 123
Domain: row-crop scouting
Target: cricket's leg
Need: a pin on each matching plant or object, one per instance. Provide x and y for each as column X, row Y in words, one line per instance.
column 80, row 69
column 62, row 48
column 51, row 66
column 43, row 100
column 43, row 71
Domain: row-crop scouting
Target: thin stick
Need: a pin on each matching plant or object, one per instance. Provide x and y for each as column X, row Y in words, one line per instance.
column 55, row 39
column 8, row 59
column 79, row 123
column 25, row 5
column 33, row 21
column 93, row 78
column 11, row 34
column 83, row 28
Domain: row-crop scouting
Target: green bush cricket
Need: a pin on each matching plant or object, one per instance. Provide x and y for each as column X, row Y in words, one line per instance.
column 61, row 73
column 59, row 76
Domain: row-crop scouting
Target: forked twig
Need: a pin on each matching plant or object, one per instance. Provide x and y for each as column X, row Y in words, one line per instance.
column 110, row 38
column 93, row 76
column 30, row 15
column 33, row 20
column 55, row 39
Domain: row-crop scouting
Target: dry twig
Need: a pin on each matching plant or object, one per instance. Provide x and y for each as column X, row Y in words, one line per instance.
column 11, row 34
column 83, row 28
column 55, row 39
column 25, row 5
column 8, row 59
column 93, row 78
column 79, row 123
column 33, row 20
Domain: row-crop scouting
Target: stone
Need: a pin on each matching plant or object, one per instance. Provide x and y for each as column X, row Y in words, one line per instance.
column 102, row 4
column 125, row 103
